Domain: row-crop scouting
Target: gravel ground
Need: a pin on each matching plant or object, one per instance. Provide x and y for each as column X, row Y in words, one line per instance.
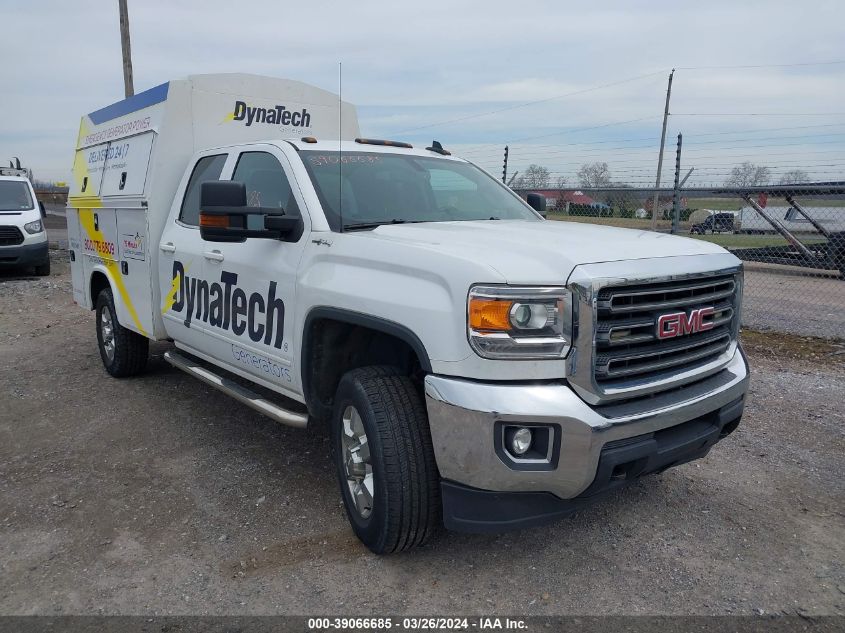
column 157, row 495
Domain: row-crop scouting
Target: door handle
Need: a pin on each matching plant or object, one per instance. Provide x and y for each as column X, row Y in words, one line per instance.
column 215, row 256
column 168, row 247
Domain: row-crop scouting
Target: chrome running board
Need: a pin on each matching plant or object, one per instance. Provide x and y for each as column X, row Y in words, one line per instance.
column 238, row 392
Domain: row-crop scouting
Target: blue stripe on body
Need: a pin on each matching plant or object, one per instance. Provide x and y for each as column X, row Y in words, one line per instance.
column 136, row 102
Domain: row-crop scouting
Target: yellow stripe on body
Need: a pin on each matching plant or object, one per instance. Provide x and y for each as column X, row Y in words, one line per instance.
column 84, row 206
column 86, row 219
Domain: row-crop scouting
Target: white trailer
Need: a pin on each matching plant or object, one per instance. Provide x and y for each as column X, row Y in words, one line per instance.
column 831, row 218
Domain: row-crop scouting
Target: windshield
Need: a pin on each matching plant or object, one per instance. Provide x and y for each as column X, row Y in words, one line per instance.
column 378, row 188
column 14, row 196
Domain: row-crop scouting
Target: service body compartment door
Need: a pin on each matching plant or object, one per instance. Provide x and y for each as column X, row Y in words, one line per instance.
column 101, row 251
column 77, row 275
column 98, row 228
column 126, row 169
column 88, row 167
column 134, row 257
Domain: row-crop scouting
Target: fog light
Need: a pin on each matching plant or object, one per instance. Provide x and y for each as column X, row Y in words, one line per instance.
column 521, row 441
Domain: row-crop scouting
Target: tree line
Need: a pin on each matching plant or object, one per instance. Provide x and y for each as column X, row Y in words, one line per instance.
column 597, row 175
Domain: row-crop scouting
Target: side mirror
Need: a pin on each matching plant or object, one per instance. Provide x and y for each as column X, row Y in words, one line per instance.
column 43, row 209
column 224, row 213
column 538, row 203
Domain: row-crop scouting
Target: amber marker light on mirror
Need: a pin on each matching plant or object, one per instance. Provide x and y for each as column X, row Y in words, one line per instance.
column 214, row 221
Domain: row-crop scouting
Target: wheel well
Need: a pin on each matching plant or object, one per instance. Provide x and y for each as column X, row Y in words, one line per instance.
column 333, row 346
column 98, row 282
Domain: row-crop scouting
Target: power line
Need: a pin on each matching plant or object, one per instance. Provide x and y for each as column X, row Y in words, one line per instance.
column 729, row 163
column 586, row 129
column 771, row 129
column 773, row 138
column 613, row 152
column 496, row 147
column 758, row 114
column 794, row 65
column 529, row 103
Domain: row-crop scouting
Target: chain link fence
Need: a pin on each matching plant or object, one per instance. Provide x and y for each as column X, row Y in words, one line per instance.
column 791, row 239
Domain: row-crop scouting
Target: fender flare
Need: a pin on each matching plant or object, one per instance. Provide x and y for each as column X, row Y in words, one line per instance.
column 103, row 270
column 378, row 324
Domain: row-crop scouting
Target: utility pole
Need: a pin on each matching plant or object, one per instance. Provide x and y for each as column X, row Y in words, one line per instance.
column 128, row 84
column 505, row 168
column 676, row 192
column 660, row 157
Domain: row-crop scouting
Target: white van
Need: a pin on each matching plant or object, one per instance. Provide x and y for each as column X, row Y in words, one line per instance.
column 23, row 238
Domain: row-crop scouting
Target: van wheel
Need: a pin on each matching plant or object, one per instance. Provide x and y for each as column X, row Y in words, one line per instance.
column 123, row 351
column 43, row 270
column 385, row 460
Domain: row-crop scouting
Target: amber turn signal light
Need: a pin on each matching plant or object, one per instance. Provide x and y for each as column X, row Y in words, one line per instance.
column 490, row 315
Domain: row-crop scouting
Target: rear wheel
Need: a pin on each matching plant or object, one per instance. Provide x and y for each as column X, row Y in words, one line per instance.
column 124, row 352
column 385, row 460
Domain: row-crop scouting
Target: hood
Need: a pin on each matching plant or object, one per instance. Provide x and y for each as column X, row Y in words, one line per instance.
column 539, row 252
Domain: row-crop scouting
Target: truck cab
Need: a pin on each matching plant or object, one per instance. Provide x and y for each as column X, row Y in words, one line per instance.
column 476, row 365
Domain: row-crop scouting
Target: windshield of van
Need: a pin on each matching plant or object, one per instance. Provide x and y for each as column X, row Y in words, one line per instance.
column 377, row 188
column 14, row 196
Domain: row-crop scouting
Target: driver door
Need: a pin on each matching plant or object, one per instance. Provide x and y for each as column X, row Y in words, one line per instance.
column 258, row 277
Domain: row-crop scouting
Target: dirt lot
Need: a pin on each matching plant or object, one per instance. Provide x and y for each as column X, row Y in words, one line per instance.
column 158, row 495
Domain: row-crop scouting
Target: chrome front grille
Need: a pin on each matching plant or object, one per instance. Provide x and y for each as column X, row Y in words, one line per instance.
column 617, row 354
column 627, row 345
column 613, row 301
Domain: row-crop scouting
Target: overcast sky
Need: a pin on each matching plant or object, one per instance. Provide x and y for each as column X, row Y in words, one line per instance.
column 414, row 68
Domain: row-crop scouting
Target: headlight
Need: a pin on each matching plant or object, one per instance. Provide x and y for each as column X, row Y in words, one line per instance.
column 33, row 227
column 508, row 322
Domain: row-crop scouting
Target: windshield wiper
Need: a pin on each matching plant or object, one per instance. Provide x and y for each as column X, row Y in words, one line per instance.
column 363, row 226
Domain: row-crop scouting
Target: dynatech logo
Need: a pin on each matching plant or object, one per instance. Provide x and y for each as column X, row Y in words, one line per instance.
column 277, row 115
column 681, row 324
column 226, row 306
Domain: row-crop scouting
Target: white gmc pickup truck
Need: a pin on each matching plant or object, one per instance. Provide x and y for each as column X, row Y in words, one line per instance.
column 476, row 364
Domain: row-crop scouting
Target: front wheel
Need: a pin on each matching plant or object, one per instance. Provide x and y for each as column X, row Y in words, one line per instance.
column 123, row 351
column 385, row 460
column 43, row 270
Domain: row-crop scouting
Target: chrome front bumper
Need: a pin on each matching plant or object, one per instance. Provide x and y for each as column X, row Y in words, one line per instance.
column 463, row 415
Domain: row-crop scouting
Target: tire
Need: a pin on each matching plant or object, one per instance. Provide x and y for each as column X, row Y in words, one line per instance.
column 43, row 270
column 127, row 354
column 404, row 502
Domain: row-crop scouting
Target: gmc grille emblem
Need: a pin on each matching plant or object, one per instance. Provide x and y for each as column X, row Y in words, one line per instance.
column 682, row 323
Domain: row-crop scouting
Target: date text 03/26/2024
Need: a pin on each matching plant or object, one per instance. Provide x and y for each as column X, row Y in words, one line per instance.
column 485, row 623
